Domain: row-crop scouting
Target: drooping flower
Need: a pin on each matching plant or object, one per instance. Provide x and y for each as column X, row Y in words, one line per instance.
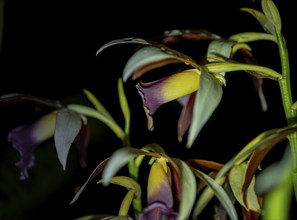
column 164, row 90
column 159, row 195
column 26, row 138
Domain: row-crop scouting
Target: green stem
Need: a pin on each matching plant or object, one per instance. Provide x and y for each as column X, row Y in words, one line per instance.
column 291, row 115
column 133, row 173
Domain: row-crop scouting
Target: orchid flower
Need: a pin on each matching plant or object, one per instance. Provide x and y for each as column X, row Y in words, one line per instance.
column 61, row 124
column 26, row 138
column 198, row 87
column 170, row 177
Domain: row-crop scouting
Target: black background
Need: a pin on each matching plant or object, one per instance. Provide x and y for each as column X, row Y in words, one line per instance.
column 49, row 51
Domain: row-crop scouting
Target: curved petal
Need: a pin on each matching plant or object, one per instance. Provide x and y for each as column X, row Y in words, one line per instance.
column 206, row 101
column 164, row 90
column 146, row 59
column 26, row 138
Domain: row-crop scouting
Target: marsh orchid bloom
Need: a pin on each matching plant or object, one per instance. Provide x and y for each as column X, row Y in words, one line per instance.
column 26, row 138
column 159, row 195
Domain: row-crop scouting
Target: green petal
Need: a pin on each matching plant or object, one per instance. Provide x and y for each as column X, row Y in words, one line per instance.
column 121, row 158
column 206, row 101
column 267, row 25
column 68, row 125
column 188, row 184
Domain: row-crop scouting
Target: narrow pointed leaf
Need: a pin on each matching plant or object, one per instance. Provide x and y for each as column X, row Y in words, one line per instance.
column 265, row 139
column 68, row 125
column 97, row 104
column 214, row 188
column 95, row 172
column 127, row 40
column 18, row 97
column 124, row 105
column 204, row 164
column 207, row 99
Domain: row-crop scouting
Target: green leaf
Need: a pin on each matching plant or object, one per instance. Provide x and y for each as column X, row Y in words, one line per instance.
column 95, row 172
column 68, row 125
column 97, row 104
column 206, row 101
column 124, row 106
column 265, row 139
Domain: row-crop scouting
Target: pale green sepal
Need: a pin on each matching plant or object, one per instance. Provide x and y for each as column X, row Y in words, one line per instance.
column 120, row 158
column 260, row 71
column 90, row 112
column 267, row 25
column 189, row 188
column 220, row 47
column 246, row 37
column 214, row 189
column 272, row 13
column 97, row 104
column 143, row 57
column 124, row 105
column 206, row 101
column 67, row 127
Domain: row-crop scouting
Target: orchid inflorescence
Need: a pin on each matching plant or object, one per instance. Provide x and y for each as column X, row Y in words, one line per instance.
column 176, row 188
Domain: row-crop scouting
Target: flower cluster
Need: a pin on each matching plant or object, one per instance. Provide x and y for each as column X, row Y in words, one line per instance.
column 176, row 188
